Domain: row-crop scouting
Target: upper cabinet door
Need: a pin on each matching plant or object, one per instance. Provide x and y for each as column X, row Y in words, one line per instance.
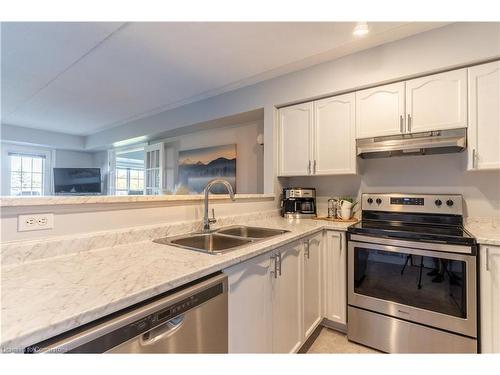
column 380, row 111
column 295, row 134
column 334, row 135
column 437, row 102
column 484, row 116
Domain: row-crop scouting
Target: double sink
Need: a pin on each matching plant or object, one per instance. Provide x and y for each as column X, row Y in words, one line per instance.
column 221, row 240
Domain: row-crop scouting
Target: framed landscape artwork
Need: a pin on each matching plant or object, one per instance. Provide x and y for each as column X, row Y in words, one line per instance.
column 197, row 167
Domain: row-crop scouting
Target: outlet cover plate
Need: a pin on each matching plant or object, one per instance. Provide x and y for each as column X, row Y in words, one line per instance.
column 35, row 222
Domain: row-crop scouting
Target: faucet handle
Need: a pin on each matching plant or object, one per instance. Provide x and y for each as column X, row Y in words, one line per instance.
column 212, row 219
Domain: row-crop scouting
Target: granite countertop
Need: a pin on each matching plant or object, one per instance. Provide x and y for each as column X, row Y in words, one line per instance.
column 485, row 230
column 45, row 297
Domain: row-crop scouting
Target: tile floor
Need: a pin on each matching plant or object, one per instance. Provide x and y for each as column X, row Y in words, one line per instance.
column 330, row 341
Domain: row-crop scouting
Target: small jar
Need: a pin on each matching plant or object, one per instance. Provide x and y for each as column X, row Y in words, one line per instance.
column 332, row 208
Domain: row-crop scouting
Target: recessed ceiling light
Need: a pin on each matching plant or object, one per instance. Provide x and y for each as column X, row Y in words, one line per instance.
column 361, row 29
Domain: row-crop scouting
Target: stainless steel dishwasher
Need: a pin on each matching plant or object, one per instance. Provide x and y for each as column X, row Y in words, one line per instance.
column 193, row 319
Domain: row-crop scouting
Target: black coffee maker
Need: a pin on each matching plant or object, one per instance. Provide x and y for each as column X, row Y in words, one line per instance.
column 298, row 202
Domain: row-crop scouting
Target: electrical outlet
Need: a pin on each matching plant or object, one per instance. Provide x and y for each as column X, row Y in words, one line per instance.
column 35, row 222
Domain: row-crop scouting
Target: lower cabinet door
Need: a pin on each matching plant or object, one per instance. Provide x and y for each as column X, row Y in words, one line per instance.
column 313, row 313
column 490, row 298
column 335, row 267
column 250, row 306
column 287, row 300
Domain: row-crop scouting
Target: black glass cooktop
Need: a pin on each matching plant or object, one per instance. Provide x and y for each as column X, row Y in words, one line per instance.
column 428, row 232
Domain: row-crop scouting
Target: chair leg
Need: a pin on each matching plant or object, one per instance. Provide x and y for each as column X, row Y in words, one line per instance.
column 420, row 273
column 408, row 257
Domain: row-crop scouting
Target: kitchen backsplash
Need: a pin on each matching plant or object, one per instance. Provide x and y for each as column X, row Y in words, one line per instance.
column 413, row 174
column 17, row 252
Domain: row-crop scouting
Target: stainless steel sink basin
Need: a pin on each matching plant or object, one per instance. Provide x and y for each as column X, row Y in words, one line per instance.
column 221, row 240
column 255, row 233
column 212, row 243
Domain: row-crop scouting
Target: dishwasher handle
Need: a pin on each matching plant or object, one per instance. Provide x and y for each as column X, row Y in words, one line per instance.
column 162, row 331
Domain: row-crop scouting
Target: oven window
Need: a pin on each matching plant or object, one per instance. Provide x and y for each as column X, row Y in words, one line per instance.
column 430, row 283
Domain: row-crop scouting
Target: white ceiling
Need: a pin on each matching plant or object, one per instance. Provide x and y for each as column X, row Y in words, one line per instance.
column 80, row 78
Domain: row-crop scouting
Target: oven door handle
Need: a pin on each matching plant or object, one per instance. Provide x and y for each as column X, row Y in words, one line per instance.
column 444, row 247
column 410, row 250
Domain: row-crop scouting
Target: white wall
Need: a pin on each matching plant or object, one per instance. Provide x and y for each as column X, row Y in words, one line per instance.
column 414, row 174
column 74, row 159
column 44, row 138
column 249, row 158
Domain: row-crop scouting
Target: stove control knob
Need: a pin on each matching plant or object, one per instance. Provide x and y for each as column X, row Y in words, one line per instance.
column 449, row 203
column 438, row 202
column 378, row 200
column 370, row 200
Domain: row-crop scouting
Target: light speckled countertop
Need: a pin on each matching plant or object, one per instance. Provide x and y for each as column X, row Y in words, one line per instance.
column 44, row 297
column 485, row 230
column 57, row 200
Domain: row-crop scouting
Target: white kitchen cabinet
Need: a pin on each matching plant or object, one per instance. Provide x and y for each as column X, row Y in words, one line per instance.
column 437, row 102
column 250, row 306
column 313, row 312
column 334, row 144
column 295, row 135
column 380, row 111
column 490, row 298
column 484, row 117
column 287, row 300
column 334, row 269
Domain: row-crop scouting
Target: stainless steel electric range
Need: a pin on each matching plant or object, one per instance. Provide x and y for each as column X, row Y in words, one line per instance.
column 412, row 282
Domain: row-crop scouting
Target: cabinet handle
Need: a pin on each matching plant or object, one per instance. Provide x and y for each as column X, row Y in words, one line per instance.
column 487, row 259
column 409, row 123
column 279, row 262
column 340, row 242
column 309, row 168
column 401, row 119
column 314, row 167
column 474, row 156
column 307, row 253
column 274, row 257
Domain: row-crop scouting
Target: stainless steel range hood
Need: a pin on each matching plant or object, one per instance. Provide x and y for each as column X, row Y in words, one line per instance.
column 427, row 143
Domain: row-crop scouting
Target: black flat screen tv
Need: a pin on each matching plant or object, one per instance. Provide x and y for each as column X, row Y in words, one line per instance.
column 79, row 181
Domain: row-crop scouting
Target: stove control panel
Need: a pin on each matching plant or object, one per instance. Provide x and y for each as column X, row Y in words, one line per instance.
column 408, row 201
column 418, row 203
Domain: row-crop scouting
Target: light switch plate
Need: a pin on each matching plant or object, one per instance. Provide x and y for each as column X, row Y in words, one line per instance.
column 35, row 222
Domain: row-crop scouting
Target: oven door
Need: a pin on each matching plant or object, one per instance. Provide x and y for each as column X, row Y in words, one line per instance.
column 434, row 288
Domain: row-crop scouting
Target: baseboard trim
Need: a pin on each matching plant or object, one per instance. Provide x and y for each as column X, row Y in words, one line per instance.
column 334, row 325
column 310, row 340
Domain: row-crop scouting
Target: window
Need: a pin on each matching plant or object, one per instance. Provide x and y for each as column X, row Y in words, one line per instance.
column 25, row 170
column 27, row 175
column 129, row 181
column 127, row 171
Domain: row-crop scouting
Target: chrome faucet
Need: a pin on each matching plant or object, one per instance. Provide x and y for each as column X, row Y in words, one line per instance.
column 206, row 220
